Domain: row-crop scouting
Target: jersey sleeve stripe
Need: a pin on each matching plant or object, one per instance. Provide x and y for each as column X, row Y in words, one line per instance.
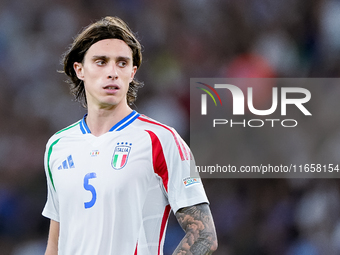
column 163, row 225
column 75, row 124
column 136, row 249
column 158, row 159
column 48, row 161
column 184, row 149
column 173, row 134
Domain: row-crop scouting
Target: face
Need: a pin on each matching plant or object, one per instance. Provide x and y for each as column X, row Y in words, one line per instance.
column 107, row 70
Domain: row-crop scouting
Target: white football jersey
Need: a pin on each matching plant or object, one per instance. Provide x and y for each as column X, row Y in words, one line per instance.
column 112, row 194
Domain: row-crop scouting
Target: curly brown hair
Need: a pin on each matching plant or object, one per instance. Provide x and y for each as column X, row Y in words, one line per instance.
column 106, row 28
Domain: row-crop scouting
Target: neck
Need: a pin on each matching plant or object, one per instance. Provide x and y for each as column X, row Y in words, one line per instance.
column 100, row 121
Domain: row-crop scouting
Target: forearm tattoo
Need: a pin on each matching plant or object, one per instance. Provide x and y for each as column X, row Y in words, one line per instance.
column 200, row 238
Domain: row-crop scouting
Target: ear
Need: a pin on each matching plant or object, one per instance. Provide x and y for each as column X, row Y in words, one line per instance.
column 78, row 68
column 133, row 72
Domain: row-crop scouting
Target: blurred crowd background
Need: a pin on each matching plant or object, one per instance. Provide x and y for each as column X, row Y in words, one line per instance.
column 182, row 39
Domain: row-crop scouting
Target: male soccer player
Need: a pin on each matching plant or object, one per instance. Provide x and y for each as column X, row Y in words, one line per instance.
column 114, row 176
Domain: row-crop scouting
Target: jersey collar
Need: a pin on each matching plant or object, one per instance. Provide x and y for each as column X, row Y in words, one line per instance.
column 117, row 127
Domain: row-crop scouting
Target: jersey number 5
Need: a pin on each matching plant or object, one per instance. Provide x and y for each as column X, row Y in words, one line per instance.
column 90, row 188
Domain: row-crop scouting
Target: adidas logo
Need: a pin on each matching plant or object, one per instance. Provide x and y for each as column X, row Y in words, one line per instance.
column 68, row 163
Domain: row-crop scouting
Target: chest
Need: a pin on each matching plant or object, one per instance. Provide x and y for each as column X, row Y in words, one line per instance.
column 112, row 166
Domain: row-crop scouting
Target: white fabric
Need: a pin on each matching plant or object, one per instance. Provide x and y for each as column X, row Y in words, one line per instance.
column 109, row 208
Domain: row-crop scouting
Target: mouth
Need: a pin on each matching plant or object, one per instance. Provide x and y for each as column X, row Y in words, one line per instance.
column 111, row 87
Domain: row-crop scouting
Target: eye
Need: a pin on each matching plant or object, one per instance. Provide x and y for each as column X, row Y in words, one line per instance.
column 100, row 62
column 122, row 63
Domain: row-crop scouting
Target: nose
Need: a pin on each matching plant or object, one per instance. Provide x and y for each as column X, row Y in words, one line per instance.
column 113, row 74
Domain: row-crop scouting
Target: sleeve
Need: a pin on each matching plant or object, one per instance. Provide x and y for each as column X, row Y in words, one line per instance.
column 51, row 209
column 184, row 189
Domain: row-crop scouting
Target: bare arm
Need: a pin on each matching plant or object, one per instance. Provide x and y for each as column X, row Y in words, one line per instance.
column 198, row 224
column 53, row 236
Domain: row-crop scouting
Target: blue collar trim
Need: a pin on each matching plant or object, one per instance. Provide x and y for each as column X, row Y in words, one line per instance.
column 117, row 127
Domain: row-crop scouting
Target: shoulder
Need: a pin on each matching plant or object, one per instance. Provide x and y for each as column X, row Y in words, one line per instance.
column 148, row 124
column 167, row 136
column 67, row 131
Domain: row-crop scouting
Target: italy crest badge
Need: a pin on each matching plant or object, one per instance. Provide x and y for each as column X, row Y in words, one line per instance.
column 121, row 155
